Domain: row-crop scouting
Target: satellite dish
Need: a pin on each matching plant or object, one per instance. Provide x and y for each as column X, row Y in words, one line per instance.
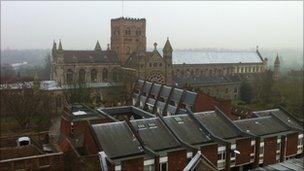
column 236, row 152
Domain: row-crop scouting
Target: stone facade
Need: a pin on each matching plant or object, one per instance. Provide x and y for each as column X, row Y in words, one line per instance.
column 85, row 66
column 128, row 50
column 128, row 35
column 153, row 66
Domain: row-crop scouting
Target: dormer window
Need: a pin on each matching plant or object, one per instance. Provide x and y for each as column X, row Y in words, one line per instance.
column 152, row 125
column 141, row 126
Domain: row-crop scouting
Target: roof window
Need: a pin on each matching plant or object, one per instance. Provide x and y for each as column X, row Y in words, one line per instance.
column 141, row 126
column 178, row 120
column 152, row 125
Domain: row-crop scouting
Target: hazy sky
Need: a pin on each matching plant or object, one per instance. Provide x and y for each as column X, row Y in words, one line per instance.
column 219, row 24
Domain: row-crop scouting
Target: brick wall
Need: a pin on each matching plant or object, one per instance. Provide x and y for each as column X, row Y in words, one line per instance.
column 204, row 102
column 270, row 147
column 16, row 152
column 38, row 162
column 210, row 152
column 177, row 160
column 292, row 144
column 243, row 146
column 133, row 164
column 64, row 126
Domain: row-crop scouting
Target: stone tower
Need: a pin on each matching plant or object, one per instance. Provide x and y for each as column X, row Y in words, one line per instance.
column 276, row 70
column 128, row 35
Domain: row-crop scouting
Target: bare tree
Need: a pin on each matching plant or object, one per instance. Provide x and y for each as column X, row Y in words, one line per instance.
column 30, row 106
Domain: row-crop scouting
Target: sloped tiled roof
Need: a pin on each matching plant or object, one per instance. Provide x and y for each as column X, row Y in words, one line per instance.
column 155, row 135
column 89, row 56
column 290, row 121
column 217, row 124
column 117, row 140
column 262, row 126
column 186, row 129
column 215, row 57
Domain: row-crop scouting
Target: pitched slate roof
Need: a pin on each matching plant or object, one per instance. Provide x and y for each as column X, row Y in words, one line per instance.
column 217, row 124
column 215, row 57
column 262, row 126
column 89, row 56
column 186, row 129
column 117, row 140
column 290, row 121
column 155, row 135
column 134, row 58
column 207, row 80
column 174, row 96
column 289, row 165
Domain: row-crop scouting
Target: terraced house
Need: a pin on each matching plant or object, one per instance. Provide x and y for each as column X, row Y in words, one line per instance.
column 160, row 132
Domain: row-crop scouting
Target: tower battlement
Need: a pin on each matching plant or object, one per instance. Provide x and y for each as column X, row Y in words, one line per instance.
column 128, row 19
column 128, row 35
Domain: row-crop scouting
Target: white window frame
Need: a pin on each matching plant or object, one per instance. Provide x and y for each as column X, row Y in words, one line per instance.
column 150, row 163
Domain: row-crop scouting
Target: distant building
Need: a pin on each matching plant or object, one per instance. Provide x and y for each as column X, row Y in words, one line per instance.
column 210, row 71
column 84, row 66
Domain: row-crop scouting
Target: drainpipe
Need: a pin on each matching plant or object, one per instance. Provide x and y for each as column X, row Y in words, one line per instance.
column 282, row 150
column 228, row 155
column 257, row 152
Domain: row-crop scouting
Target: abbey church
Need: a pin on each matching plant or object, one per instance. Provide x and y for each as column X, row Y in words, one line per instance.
column 218, row 73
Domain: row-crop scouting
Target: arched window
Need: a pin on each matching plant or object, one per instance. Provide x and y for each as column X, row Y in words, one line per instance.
column 104, row 74
column 69, row 76
column 82, row 76
column 128, row 50
column 93, row 75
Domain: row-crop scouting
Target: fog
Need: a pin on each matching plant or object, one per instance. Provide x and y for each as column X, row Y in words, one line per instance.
column 234, row 25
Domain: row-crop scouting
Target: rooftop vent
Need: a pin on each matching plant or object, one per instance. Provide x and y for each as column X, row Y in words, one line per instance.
column 79, row 113
column 22, row 141
column 140, row 148
column 178, row 120
column 141, row 126
column 152, row 125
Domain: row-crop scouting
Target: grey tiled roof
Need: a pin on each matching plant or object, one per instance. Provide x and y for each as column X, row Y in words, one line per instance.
column 217, row 124
column 117, row 140
column 155, row 135
column 186, row 129
column 282, row 116
column 215, row 57
column 262, row 126
column 289, row 165
column 90, row 56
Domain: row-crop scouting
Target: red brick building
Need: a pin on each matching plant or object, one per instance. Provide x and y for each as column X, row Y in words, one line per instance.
column 31, row 151
column 160, row 132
